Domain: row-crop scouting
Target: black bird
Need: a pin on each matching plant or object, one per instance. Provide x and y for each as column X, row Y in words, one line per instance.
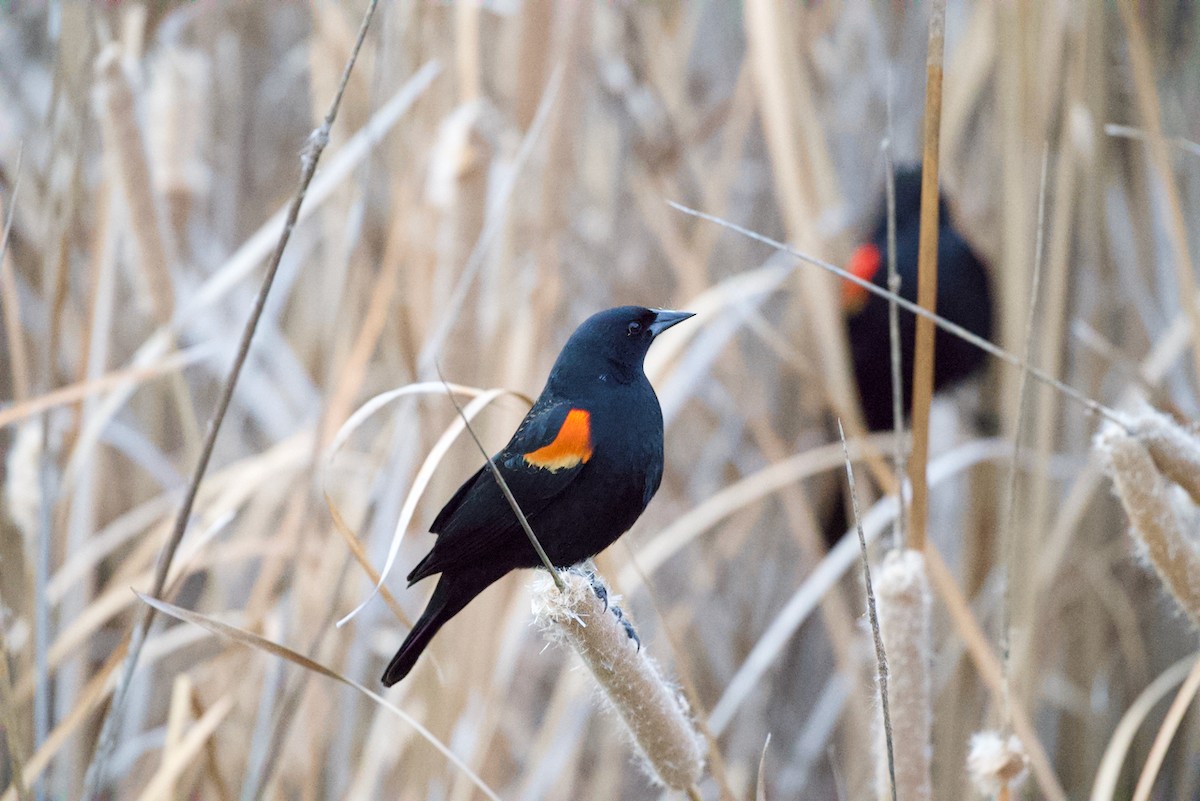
column 963, row 297
column 583, row 465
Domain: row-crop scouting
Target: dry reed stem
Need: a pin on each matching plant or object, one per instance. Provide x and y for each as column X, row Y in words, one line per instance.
column 658, row 550
column 899, row 457
column 905, row 610
column 15, row 749
column 1154, row 366
column 826, row 575
column 655, row 714
column 990, row 670
column 176, row 760
column 1166, row 732
column 1007, row 529
column 360, row 556
column 353, row 370
column 466, row 48
column 131, row 172
column 1108, row 775
column 9, row 302
column 837, row 617
column 691, row 695
column 1121, row 362
column 923, row 350
column 1129, row 132
column 211, row 762
column 995, row 763
column 91, row 696
column 316, row 144
column 1146, row 497
column 1053, row 304
column 760, row 783
column 493, row 225
column 481, row 399
column 1148, row 104
column 786, row 107
column 532, row 56
column 129, row 377
column 886, row 757
column 245, row 637
column 178, row 714
column 177, row 108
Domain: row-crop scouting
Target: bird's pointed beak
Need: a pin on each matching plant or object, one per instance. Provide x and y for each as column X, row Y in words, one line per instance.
column 665, row 318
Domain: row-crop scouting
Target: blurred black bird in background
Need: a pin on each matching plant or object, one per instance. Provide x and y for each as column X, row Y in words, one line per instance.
column 583, row 465
column 963, row 297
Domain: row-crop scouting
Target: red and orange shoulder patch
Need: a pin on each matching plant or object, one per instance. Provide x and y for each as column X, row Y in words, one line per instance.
column 571, row 447
column 865, row 264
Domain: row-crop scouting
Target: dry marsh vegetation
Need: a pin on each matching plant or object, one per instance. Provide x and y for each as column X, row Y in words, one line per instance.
column 495, row 173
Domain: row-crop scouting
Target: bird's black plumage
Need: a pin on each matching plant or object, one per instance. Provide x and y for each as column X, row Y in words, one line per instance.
column 963, row 297
column 583, row 465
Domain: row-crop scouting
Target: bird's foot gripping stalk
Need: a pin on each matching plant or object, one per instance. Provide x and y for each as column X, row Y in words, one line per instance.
column 587, row 571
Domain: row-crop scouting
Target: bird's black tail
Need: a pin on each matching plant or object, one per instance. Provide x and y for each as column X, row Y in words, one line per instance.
column 448, row 599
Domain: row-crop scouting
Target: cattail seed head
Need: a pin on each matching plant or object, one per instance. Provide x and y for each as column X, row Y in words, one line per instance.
column 904, row 606
column 654, row 712
column 1146, row 496
column 995, row 762
column 1175, row 450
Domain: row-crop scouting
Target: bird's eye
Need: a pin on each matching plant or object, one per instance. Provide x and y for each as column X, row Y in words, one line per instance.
column 635, row 328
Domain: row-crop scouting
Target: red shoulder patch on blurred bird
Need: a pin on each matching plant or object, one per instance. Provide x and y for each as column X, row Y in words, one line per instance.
column 864, row 264
column 571, row 446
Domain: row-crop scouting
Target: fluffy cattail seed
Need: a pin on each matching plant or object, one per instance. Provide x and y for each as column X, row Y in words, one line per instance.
column 654, row 712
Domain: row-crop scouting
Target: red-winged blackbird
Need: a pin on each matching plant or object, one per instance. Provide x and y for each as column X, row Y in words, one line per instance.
column 963, row 297
column 582, row 466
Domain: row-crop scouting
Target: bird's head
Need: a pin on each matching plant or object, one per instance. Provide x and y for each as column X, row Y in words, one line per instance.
column 614, row 342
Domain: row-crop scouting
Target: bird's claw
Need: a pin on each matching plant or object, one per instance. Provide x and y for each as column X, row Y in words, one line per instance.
column 630, row 631
column 599, row 588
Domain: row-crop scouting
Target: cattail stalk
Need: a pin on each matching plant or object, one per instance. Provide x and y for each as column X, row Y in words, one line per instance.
column 1146, row 496
column 905, row 604
column 654, row 711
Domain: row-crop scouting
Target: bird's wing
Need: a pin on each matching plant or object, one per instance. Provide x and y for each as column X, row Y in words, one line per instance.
column 548, row 451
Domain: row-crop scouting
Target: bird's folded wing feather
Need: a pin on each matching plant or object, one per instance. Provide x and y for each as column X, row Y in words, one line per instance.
column 548, row 451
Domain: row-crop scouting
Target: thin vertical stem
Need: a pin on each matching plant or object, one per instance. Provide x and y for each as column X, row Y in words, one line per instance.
column 923, row 358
